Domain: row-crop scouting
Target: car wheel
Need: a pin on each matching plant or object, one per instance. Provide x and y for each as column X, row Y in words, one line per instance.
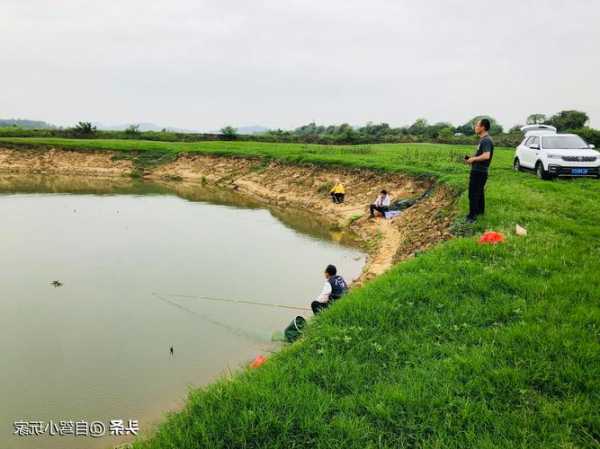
column 540, row 172
column 517, row 164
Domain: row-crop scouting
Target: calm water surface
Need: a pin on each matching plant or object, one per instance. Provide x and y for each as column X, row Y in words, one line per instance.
column 132, row 257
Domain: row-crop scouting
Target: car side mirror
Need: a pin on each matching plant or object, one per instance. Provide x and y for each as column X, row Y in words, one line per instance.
column 591, row 145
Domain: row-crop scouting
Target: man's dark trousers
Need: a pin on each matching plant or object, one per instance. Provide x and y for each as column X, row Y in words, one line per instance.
column 476, row 193
column 381, row 209
column 317, row 306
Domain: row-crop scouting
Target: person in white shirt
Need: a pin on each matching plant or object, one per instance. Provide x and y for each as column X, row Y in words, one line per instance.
column 335, row 287
column 381, row 204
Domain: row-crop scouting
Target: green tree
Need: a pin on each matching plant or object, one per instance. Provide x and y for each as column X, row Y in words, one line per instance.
column 84, row 129
column 345, row 134
column 133, row 130
column 418, row 127
column 311, row 132
column 433, row 131
column 468, row 128
column 515, row 129
column 569, row 120
column 535, row 119
column 229, row 132
column 375, row 132
column 446, row 134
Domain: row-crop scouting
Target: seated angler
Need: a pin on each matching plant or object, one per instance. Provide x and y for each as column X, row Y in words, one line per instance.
column 338, row 192
column 381, row 204
column 335, row 287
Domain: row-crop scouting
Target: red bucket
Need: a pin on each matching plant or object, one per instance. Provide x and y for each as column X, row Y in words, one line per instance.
column 491, row 238
column 258, row 361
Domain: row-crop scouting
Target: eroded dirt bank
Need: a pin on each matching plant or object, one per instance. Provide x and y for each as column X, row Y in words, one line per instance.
column 304, row 187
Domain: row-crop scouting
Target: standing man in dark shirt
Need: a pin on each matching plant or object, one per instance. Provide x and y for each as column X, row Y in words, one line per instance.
column 480, row 164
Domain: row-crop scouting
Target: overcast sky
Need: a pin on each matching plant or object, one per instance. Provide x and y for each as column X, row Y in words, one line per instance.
column 203, row 64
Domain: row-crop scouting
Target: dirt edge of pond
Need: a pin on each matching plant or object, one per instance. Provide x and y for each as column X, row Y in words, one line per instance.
column 282, row 185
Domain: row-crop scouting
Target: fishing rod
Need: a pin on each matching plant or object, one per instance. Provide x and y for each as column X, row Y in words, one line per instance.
column 233, row 330
column 241, row 301
column 356, row 208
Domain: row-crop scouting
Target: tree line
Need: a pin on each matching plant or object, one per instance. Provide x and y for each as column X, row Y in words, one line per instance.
column 419, row 131
column 422, row 131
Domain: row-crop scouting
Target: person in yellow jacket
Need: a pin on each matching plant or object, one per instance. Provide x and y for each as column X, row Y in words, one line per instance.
column 338, row 192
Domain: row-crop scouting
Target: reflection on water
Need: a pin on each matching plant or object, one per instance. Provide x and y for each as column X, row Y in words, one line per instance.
column 300, row 220
column 134, row 259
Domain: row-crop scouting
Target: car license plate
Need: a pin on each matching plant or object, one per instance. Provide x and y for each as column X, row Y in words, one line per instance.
column 579, row 171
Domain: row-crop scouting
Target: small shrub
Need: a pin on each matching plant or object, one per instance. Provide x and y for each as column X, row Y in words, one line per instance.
column 325, row 187
column 260, row 166
column 354, row 218
column 460, row 228
column 176, row 178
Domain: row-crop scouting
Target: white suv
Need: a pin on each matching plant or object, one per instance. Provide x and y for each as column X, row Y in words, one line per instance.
column 551, row 154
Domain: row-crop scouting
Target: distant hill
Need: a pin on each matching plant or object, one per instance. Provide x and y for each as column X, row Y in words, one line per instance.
column 25, row 123
column 144, row 126
column 254, row 129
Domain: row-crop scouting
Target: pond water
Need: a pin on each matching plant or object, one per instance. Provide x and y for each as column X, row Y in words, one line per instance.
column 133, row 259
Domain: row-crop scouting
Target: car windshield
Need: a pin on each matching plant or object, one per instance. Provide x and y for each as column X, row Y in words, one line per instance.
column 564, row 143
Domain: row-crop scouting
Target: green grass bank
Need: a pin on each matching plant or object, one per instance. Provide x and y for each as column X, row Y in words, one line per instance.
column 465, row 346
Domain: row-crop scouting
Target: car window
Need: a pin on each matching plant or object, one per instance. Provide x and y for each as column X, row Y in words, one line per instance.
column 534, row 141
column 564, row 143
column 528, row 141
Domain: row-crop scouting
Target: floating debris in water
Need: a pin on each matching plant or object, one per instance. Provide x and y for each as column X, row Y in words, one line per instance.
column 56, row 283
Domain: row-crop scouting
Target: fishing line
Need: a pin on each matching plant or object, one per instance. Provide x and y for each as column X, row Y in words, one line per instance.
column 241, row 301
column 236, row 331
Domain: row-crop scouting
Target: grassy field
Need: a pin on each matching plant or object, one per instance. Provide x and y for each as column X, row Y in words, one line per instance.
column 465, row 346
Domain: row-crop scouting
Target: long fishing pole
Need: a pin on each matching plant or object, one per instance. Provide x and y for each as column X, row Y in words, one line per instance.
column 233, row 330
column 240, row 301
column 355, row 208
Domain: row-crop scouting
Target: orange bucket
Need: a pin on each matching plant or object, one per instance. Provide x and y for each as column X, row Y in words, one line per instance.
column 491, row 238
column 258, row 361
